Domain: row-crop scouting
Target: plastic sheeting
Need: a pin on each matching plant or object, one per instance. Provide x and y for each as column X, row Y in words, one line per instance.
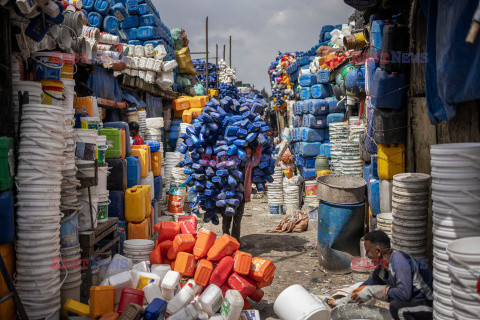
column 452, row 70
column 154, row 106
column 104, row 84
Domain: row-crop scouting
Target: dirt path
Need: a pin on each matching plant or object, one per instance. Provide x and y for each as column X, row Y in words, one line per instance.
column 294, row 255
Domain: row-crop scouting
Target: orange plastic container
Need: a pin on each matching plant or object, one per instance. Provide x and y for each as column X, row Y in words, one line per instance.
column 263, row 284
column 185, row 264
column 84, row 105
column 182, row 103
column 188, row 227
column 145, row 147
column 261, row 269
column 198, row 102
column 225, row 246
column 156, row 163
column 110, row 316
column 141, row 154
column 203, row 272
column 7, row 309
column 159, row 254
column 181, row 243
column 124, row 147
column 205, row 241
column 178, row 114
column 243, row 262
column 138, row 230
column 187, row 116
column 167, row 230
column 102, row 300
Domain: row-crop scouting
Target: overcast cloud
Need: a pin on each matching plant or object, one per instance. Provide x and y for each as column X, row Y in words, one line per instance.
column 259, row 28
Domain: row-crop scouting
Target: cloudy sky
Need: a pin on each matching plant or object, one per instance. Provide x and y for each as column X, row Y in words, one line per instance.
column 259, row 28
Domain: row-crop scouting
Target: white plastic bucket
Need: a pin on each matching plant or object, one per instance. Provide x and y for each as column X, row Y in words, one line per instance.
column 70, row 291
column 102, row 179
column 296, row 303
column 68, row 92
column 85, row 217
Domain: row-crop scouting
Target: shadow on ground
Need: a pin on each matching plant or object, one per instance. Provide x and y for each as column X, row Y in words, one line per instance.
column 265, row 309
column 265, row 243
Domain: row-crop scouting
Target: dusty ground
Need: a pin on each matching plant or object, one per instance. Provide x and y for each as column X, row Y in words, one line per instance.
column 294, row 255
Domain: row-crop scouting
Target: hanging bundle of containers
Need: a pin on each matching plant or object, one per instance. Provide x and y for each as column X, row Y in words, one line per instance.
column 217, row 147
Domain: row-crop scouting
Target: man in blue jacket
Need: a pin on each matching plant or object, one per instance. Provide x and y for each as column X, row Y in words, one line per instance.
column 398, row 278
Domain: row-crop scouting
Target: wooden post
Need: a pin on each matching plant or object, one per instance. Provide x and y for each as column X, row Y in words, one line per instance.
column 224, row 49
column 6, row 89
column 230, row 51
column 206, row 61
column 216, row 66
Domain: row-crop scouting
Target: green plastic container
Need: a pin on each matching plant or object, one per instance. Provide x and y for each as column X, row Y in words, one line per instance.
column 6, row 163
column 102, row 210
column 114, row 142
column 346, row 70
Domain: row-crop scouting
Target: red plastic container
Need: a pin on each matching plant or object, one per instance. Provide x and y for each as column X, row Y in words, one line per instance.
column 188, row 227
column 242, row 284
column 130, row 295
column 222, row 271
column 192, row 219
column 246, row 305
column 159, row 254
column 257, row 296
column 167, row 230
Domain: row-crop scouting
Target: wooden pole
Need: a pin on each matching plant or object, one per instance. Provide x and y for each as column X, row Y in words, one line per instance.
column 230, row 51
column 6, row 89
column 224, row 49
column 216, row 65
column 206, row 44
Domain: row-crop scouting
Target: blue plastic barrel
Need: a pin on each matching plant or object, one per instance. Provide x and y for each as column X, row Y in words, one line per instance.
column 309, row 149
column 335, row 117
column 135, row 42
column 315, row 122
column 319, row 107
column 323, row 76
column 313, row 135
column 132, row 7
column 110, row 24
column 325, row 149
column 307, row 80
column 131, row 33
column 69, row 231
column 101, row 6
column 129, row 22
column 88, row 5
column 374, row 195
column 7, row 226
column 142, row 9
column 95, row 19
column 334, row 106
column 147, row 20
column 305, row 93
column 388, row 90
column 157, row 184
column 117, row 204
column 119, row 11
column 340, row 227
column 133, row 171
column 376, row 37
column 320, row 91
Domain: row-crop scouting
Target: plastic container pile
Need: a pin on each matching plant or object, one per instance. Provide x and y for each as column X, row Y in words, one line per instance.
column 187, row 276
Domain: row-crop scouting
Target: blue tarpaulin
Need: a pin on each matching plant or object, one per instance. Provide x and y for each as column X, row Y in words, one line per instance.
column 104, row 85
column 452, row 71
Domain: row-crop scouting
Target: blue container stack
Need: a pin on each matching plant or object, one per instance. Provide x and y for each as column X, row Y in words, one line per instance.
column 217, row 154
column 312, row 114
column 201, row 67
column 136, row 22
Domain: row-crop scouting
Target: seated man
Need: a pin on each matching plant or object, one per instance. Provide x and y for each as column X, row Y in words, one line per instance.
column 398, row 278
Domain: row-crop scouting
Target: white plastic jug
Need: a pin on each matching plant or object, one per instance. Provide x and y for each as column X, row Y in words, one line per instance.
column 121, row 281
column 143, row 266
column 169, row 284
column 187, row 313
column 118, row 265
column 232, row 305
column 161, row 270
column 141, row 279
column 196, row 287
column 211, row 299
column 152, row 291
column 182, row 298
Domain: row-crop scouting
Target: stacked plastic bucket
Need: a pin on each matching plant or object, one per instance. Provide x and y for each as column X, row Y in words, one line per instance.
column 34, row 90
column 38, row 224
column 456, row 208
column 291, row 192
column 338, row 135
column 275, row 192
column 410, row 203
